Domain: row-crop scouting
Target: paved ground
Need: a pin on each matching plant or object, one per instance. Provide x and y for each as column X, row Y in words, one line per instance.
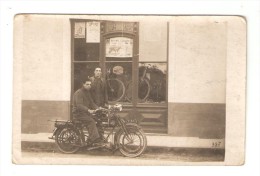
column 155, row 153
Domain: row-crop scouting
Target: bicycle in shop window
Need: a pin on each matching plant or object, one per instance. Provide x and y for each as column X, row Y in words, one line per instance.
column 151, row 84
column 116, row 80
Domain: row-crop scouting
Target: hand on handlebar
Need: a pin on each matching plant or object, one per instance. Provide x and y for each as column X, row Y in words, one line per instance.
column 94, row 111
column 91, row 111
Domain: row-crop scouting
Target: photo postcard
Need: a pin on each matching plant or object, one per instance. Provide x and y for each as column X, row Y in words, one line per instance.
column 129, row 89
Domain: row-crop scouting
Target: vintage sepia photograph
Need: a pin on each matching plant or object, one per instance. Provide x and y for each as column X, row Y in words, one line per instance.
column 129, row 89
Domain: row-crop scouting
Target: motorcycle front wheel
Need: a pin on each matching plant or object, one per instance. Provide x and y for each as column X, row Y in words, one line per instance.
column 68, row 140
column 132, row 144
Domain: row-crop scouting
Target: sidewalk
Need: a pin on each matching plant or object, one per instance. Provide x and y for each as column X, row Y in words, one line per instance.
column 153, row 140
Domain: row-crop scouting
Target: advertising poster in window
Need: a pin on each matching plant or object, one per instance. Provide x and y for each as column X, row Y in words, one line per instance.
column 93, row 32
column 119, row 47
column 79, row 30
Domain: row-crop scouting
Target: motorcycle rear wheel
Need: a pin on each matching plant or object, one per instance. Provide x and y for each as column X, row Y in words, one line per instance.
column 68, row 140
column 133, row 144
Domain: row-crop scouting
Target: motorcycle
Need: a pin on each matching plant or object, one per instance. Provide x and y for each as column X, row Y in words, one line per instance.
column 121, row 134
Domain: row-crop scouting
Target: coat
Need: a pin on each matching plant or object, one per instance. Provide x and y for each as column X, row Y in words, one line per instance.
column 82, row 102
column 99, row 91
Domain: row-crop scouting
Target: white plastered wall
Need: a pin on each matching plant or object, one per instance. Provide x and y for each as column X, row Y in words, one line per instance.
column 197, row 59
column 46, row 58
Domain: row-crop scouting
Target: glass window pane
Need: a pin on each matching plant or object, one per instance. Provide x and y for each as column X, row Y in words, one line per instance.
column 82, row 72
column 119, row 76
column 92, row 52
column 85, row 51
column 80, row 49
column 152, row 82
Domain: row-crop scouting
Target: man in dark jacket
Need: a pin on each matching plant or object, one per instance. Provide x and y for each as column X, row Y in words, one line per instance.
column 99, row 88
column 83, row 107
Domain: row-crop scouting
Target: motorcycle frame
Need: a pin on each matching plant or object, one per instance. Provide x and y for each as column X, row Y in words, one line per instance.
column 120, row 125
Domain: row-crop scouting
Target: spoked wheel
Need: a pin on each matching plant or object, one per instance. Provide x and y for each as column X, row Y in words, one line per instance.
column 115, row 90
column 68, row 140
column 143, row 90
column 133, row 144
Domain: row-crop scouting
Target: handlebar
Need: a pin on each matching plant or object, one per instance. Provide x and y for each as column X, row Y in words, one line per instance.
column 116, row 107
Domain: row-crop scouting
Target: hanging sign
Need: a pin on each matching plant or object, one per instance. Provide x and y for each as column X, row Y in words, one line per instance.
column 119, row 47
column 93, row 32
column 79, row 31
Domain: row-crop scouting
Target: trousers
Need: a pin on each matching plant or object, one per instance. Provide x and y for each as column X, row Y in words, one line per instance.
column 91, row 126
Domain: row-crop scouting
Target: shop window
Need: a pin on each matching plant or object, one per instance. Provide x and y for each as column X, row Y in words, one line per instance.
column 152, row 82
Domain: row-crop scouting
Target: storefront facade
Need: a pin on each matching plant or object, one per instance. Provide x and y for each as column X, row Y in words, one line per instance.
column 132, row 79
column 166, row 79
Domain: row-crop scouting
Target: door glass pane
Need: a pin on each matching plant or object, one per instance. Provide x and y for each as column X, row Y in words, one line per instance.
column 119, row 76
column 152, row 83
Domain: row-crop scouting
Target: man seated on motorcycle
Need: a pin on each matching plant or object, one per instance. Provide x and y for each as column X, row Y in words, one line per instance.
column 83, row 108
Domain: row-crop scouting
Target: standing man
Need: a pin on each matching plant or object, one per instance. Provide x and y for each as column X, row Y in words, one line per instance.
column 99, row 88
column 83, row 107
